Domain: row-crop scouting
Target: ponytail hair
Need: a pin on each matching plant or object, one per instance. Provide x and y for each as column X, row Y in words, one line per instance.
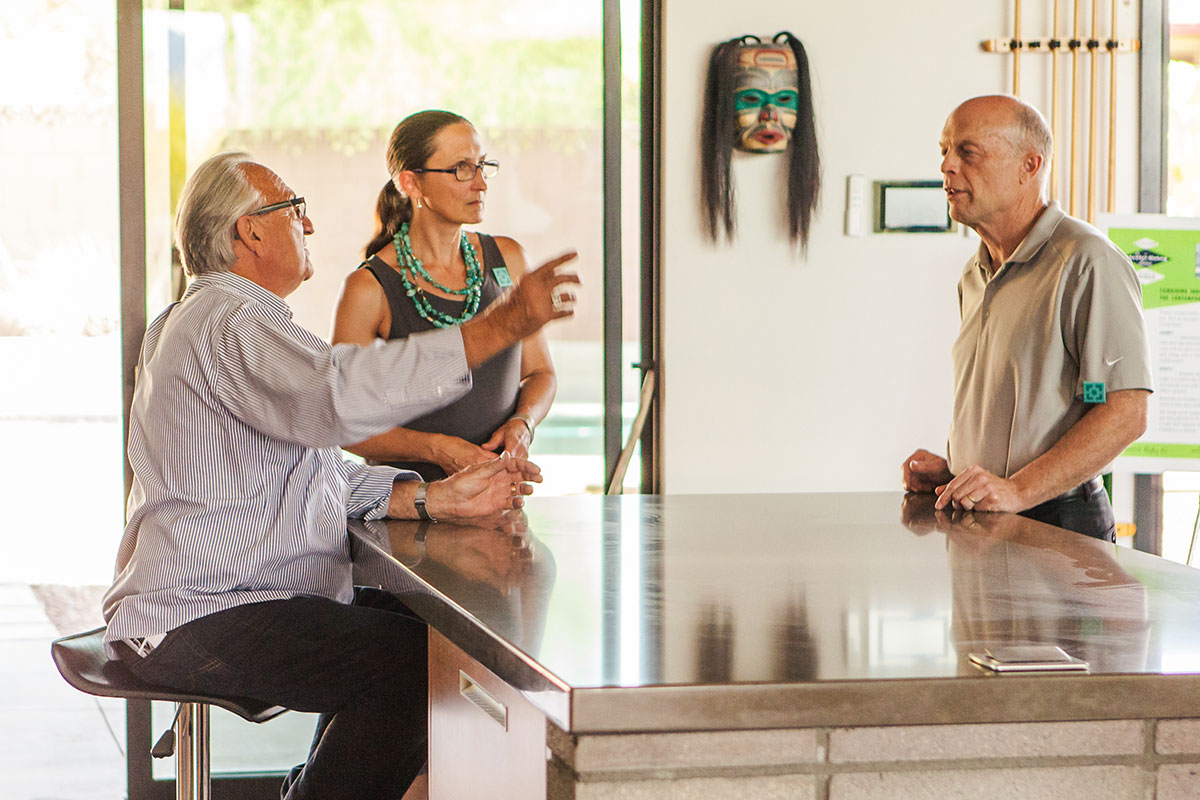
column 392, row 210
column 409, row 147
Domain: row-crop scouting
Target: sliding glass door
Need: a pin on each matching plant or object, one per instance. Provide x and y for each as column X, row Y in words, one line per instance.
column 313, row 91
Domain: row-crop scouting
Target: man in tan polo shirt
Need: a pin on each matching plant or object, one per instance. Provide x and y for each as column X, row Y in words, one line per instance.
column 1052, row 364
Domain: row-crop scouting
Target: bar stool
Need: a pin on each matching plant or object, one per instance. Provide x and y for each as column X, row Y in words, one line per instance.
column 83, row 663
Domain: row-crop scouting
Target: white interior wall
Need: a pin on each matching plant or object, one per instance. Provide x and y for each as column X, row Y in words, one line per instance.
column 821, row 372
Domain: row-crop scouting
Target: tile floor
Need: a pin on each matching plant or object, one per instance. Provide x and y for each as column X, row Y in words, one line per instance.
column 55, row 743
column 59, row 744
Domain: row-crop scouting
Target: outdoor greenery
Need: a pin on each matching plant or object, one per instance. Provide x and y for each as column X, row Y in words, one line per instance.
column 349, row 69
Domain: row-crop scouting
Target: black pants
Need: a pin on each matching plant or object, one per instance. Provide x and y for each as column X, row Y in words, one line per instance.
column 1085, row 510
column 363, row 666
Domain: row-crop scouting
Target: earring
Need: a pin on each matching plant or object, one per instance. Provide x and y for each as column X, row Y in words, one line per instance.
column 418, row 202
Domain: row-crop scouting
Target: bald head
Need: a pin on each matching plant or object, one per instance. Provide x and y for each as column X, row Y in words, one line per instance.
column 1020, row 124
column 995, row 152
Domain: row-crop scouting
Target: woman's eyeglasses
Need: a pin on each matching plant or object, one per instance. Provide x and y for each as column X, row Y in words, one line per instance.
column 465, row 171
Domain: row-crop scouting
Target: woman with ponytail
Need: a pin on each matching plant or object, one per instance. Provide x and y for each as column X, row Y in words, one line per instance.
column 422, row 271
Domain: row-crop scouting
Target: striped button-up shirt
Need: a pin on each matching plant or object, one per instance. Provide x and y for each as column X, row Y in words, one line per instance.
column 240, row 493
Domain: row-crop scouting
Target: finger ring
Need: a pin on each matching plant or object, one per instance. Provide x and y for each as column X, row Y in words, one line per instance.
column 972, row 499
column 561, row 298
column 513, row 490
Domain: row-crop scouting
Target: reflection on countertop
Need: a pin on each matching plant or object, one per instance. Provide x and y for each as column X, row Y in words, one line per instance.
column 492, row 568
column 686, row 591
column 1018, row 582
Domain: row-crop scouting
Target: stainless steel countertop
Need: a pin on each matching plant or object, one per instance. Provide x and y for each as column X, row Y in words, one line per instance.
column 695, row 612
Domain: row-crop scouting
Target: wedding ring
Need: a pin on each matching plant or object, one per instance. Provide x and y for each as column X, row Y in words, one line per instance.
column 972, row 499
column 513, row 490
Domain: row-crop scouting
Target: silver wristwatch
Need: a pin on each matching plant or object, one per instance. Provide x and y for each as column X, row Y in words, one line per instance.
column 419, row 502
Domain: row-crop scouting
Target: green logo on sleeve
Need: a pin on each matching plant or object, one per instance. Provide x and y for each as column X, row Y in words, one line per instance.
column 1094, row 392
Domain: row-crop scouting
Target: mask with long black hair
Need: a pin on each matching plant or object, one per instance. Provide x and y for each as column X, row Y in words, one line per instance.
column 758, row 99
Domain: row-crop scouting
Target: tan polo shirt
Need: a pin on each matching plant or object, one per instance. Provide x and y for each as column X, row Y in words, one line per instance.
column 1065, row 309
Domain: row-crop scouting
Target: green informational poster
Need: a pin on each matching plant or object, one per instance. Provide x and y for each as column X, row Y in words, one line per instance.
column 1165, row 252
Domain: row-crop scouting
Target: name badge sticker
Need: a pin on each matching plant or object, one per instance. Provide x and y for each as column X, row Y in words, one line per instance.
column 1094, row 392
column 502, row 277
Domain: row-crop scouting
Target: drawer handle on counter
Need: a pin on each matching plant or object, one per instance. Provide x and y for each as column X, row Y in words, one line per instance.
column 479, row 697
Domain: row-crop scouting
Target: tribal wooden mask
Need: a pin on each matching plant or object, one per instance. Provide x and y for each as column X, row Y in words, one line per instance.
column 758, row 99
column 765, row 97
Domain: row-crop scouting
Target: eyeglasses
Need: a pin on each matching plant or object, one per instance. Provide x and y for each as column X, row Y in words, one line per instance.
column 296, row 202
column 465, row 170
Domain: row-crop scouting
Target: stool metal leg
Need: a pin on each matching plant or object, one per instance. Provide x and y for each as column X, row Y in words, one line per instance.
column 192, row 771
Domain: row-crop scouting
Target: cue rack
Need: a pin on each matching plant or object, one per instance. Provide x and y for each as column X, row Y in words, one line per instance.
column 1056, row 47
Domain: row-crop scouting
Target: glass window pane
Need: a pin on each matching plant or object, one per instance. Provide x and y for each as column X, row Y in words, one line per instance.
column 1180, row 489
column 1183, row 122
column 314, row 90
column 60, row 400
column 241, row 747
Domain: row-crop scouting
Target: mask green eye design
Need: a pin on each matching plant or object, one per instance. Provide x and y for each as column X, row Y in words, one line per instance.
column 787, row 100
column 765, row 98
column 748, row 99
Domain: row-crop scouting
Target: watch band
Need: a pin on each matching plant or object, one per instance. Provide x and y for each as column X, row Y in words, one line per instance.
column 419, row 502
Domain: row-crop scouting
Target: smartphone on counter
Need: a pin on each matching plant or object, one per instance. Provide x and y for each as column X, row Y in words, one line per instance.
column 1027, row 658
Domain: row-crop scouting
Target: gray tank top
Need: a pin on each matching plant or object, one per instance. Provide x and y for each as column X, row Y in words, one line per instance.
column 493, row 396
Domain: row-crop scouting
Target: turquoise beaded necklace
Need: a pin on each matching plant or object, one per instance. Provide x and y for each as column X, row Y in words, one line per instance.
column 411, row 266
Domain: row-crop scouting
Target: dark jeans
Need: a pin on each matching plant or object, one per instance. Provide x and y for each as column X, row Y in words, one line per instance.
column 1088, row 512
column 362, row 666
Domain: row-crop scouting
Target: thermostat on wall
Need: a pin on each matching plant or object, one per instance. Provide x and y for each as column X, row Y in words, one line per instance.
column 911, row 207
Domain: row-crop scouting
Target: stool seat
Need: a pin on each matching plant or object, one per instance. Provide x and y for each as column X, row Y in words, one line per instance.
column 84, row 664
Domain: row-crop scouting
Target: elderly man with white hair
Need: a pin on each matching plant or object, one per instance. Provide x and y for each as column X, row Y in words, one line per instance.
column 233, row 575
column 1051, row 366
